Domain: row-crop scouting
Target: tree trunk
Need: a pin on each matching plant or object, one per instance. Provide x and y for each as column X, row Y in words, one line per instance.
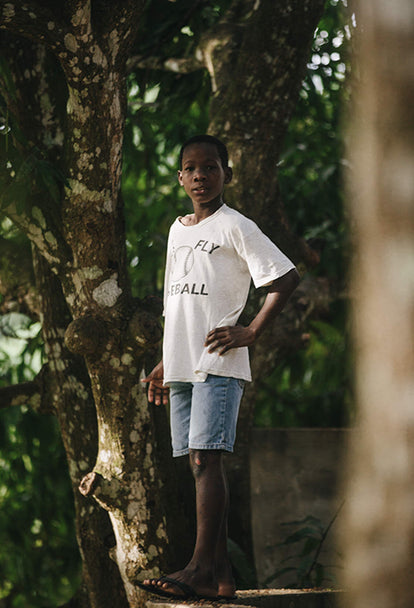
column 379, row 529
column 63, row 387
column 67, row 391
column 111, row 336
column 83, row 243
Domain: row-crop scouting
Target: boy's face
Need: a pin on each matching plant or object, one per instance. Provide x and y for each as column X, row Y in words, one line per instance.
column 202, row 174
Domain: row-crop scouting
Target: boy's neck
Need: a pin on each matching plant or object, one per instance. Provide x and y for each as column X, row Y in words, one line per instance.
column 202, row 211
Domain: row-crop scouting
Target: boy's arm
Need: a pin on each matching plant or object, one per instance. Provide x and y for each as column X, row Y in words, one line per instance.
column 223, row 339
column 157, row 392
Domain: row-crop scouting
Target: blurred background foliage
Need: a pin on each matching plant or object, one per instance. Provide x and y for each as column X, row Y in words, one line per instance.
column 39, row 562
column 39, row 558
column 313, row 387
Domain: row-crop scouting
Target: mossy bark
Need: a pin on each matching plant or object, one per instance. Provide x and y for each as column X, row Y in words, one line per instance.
column 96, row 336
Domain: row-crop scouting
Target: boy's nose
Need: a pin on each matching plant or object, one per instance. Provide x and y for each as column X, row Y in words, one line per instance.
column 199, row 175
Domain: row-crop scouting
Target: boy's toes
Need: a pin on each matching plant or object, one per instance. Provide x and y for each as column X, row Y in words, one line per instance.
column 151, row 582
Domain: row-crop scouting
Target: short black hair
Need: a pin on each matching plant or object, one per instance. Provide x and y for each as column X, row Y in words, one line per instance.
column 206, row 139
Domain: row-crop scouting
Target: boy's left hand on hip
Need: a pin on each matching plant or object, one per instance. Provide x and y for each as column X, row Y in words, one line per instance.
column 222, row 339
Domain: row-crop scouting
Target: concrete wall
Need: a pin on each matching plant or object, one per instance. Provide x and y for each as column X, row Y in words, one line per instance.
column 294, row 473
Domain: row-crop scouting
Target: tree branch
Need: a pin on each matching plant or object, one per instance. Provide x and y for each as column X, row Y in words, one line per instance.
column 31, row 20
column 19, row 394
column 30, row 393
column 44, row 233
column 125, row 19
column 107, row 492
column 184, row 65
column 239, row 10
column 80, row 16
column 17, row 281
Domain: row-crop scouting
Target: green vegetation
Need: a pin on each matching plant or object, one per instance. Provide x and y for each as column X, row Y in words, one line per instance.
column 313, row 387
column 306, row 565
column 39, row 559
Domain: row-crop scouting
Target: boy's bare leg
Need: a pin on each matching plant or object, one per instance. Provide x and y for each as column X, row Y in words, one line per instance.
column 209, row 570
column 224, row 574
column 212, row 511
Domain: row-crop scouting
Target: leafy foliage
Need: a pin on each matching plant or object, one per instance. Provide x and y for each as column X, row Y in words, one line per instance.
column 312, row 387
column 39, row 560
column 20, row 348
column 311, row 167
column 305, row 566
column 26, row 175
column 243, row 571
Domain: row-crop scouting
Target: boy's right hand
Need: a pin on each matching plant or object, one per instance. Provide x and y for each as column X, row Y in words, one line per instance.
column 157, row 392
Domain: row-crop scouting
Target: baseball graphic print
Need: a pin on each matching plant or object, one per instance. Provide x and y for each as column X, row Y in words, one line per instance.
column 182, row 262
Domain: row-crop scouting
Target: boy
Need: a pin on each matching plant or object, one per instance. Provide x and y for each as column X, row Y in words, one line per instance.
column 212, row 255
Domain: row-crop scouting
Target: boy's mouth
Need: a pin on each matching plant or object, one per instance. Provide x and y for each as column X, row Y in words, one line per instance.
column 200, row 189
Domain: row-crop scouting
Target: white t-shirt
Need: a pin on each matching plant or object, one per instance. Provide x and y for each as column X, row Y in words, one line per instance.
column 207, row 279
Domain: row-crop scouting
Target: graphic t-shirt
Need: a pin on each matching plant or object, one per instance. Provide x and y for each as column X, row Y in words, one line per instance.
column 207, row 279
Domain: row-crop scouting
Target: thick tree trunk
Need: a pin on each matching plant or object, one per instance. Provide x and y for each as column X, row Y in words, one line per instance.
column 69, row 397
column 84, row 245
column 64, row 386
column 111, row 336
column 379, row 529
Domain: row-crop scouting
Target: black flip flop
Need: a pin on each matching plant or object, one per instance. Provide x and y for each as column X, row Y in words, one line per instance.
column 155, row 589
column 188, row 593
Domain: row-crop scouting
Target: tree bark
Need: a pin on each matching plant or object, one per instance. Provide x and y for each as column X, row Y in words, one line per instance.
column 67, row 391
column 83, row 243
column 379, row 529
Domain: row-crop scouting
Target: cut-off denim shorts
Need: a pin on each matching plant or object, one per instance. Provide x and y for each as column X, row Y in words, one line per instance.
column 204, row 414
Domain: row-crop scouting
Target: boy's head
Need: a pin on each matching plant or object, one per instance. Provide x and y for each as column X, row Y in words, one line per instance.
column 206, row 139
column 204, row 170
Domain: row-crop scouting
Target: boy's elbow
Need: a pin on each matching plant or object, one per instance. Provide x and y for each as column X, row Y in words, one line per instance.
column 291, row 280
column 295, row 278
column 287, row 283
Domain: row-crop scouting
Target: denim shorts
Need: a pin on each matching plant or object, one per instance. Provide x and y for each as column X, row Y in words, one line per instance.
column 204, row 414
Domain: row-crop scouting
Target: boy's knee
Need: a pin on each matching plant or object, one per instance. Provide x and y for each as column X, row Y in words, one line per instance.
column 202, row 460
column 198, row 462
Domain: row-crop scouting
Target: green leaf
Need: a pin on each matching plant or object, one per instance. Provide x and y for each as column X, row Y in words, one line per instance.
column 310, row 545
column 278, row 573
column 299, row 535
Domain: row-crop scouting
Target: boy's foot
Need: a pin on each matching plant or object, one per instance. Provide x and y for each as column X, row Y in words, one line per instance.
column 226, row 584
column 186, row 585
column 183, row 584
column 226, row 591
column 182, row 591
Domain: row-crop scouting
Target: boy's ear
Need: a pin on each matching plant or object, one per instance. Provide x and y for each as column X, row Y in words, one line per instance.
column 228, row 175
column 180, row 177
